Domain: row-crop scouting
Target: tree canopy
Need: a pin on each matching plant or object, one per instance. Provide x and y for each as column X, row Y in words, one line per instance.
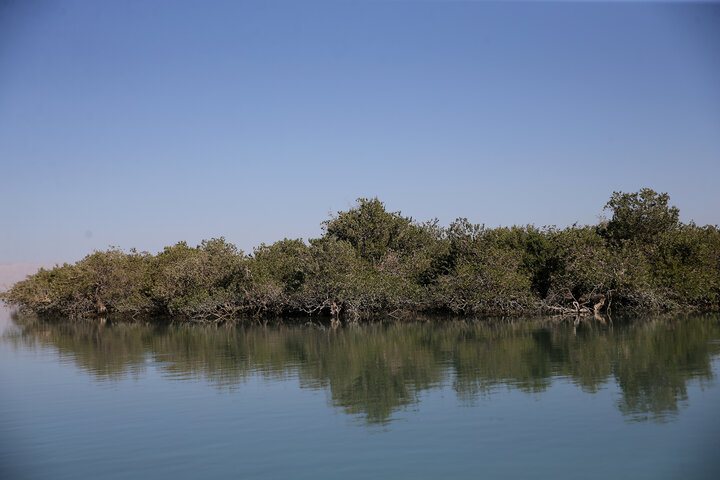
column 372, row 261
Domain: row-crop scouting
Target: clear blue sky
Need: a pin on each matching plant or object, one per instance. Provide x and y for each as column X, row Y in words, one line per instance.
column 142, row 123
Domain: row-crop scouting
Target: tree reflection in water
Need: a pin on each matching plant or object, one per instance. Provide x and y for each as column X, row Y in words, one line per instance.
column 375, row 369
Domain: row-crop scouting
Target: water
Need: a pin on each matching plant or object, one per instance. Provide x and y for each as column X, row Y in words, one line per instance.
column 637, row 398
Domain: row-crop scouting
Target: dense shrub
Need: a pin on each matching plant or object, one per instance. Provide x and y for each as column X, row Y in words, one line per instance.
column 372, row 261
column 198, row 281
column 483, row 274
column 641, row 216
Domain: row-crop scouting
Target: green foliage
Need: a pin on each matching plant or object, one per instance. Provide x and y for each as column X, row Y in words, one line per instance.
column 373, row 261
column 584, row 266
column 640, row 216
column 375, row 232
column 285, row 263
column 535, row 250
column 685, row 265
column 115, row 281
column 48, row 291
column 338, row 276
column 483, row 275
column 104, row 281
column 278, row 274
column 197, row 281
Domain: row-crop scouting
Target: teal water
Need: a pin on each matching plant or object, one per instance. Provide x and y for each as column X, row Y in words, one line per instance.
column 522, row 398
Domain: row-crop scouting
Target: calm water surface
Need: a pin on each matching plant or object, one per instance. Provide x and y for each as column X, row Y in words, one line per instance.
column 521, row 398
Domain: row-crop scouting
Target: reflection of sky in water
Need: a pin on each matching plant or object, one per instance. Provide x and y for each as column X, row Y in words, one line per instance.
column 83, row 400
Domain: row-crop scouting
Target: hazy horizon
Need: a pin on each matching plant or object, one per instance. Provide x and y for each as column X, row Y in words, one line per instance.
column 141, row 124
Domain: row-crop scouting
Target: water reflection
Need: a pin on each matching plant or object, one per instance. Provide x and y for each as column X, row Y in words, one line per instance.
column 375, row 369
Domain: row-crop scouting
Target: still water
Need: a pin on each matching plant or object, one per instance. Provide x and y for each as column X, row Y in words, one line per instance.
column 504, row 398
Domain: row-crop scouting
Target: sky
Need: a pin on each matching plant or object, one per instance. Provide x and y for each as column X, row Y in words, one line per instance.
column 144, row 123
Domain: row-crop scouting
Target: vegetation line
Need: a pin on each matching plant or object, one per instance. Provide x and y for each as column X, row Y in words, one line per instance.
column 370, row 261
